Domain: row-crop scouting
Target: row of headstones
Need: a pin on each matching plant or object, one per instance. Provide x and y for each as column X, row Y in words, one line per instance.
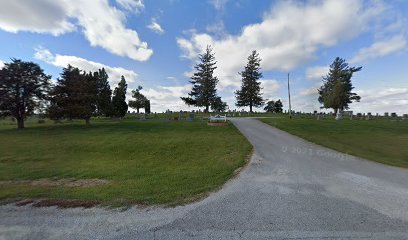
column 367, row 116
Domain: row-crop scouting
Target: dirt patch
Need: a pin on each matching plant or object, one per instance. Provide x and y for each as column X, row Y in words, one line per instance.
column 64, row 182
column 65, row 203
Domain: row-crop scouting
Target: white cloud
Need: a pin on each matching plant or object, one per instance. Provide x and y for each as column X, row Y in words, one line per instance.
column 316, row 73
column 393, row 99
column 35, row 16
column 285, row 42
column 131, row 5
column 308, row 92
column 218, row 4
column 1, row 64
column 270, row 88
column 155, row 27
column 114, row 73
column 163, row 98
column 380, row 49
column 101, row 24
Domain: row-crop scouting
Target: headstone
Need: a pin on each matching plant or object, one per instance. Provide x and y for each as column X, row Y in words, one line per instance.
column 339, row 116
column 369, row 116
column 405, row 116
column 386, row 114
column 394, row 115
column 191, row 117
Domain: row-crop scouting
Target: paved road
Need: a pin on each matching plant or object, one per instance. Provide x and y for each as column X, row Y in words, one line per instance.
column 291, row 189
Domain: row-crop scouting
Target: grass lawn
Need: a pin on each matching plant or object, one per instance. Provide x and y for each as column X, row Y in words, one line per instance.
column 149, row 162
column 381, row 140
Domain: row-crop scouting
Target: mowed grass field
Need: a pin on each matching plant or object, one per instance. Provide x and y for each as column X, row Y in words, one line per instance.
column 147, row 162
column 381, row 140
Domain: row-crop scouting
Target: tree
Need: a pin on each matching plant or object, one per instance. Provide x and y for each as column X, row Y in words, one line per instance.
column 104, row 102
column 23, row 87
column 74, row 96
column 250, row 93
column 119, row 104
column 204, row 92
column 147, row 106
column 336, row 89
column 139, row 99
column 274, row 107
column 218, row 105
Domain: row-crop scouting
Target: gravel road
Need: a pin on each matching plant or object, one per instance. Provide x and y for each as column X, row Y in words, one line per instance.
column 291, row 189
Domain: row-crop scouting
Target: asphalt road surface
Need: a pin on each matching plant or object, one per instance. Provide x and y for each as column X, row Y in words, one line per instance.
column 291, row 189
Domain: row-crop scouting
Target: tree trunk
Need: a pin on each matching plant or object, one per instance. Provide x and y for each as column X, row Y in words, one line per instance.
column 87, row 122
column 20, row 123
column 137, row 109
column 250, row 108
column 207, row 109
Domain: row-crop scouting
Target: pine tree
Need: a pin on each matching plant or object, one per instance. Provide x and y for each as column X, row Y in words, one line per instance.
column 119, row 104
column 104, row 102
column 204, row 92
column 23, row 86
column 336, row 89
column 74, row 96
column 250, row 92
column 139, row 99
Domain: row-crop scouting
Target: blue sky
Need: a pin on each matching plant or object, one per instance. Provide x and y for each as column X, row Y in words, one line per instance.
column 156, row 43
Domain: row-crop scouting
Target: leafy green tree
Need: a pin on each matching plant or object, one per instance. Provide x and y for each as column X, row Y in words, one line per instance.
column 119, row 104
column 218, row 105
column 250, row 92
column 139, row 99
column 147, row 106
column 104, row 95
column 274, row 107
column 336, row 91
column 204, row 92
column 74, row 96
column 23, row 89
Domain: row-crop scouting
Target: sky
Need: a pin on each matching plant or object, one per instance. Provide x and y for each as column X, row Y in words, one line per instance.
column 156, row 43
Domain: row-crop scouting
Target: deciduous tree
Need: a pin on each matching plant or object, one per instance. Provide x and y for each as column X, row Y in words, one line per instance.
column 139, row 99
column 23, row 87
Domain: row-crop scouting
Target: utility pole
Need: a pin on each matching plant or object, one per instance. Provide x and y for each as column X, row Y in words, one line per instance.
column 290, row 107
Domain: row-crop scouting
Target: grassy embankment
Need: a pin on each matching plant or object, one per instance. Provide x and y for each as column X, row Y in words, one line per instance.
column 149, row 162
column 382, row 140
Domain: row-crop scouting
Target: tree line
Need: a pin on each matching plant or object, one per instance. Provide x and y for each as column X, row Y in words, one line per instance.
column 24, row 88
column 336, row 91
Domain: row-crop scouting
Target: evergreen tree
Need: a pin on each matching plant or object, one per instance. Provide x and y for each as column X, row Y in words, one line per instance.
column 23, row 86
column 139, row 99
column 119, row 105
column 74, row 96
column 104, row 102
column 204, row 92
column 336, row 89
column 250, row 93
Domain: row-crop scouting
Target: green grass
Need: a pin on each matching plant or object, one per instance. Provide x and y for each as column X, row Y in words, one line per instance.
column 381, row 140
column 150, row 162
